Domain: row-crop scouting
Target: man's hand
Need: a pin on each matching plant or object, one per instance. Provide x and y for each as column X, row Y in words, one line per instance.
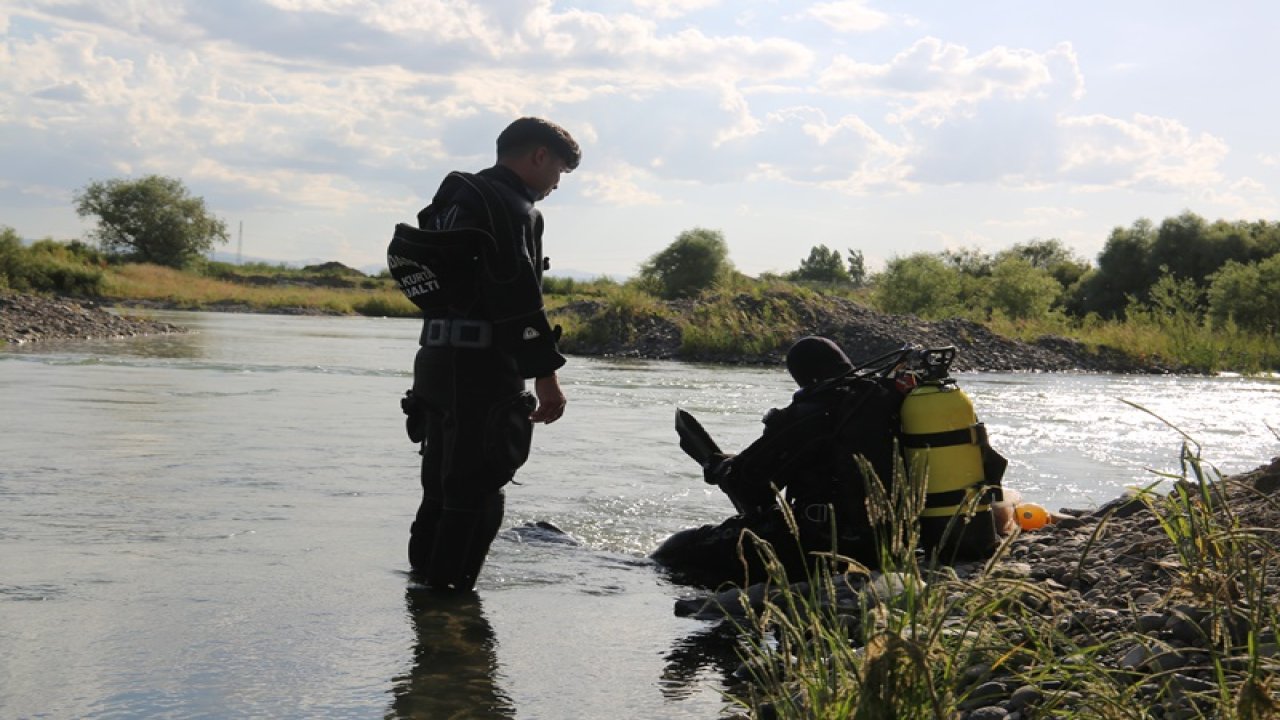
column 551, row 400
column 718, row 468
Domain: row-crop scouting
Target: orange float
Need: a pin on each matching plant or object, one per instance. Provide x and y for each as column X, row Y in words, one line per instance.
column 1031, row 516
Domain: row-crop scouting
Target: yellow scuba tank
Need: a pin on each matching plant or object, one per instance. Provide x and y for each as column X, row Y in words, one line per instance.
column 941, row 437
column 940, row 434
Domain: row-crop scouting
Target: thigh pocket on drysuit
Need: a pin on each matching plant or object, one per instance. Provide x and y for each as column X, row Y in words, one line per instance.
column 508, row 433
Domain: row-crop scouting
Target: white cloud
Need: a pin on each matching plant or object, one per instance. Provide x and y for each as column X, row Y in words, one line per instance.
column 1145, row 152
column 847, row 155
column 618, row 184
column 1038, row 217
column 1245, row 198
column 933, row 80
column 849, row 16
column 351, row 107
column 667, row 9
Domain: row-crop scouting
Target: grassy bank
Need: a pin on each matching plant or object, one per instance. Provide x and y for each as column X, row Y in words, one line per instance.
column 936, row 644
column 740, row 317
column 191, row 291
column 1180, row 339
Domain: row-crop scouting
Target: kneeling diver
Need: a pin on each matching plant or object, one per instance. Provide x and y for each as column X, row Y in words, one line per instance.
column 807, row 449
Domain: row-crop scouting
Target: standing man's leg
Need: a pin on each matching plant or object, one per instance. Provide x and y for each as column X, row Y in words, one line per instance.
column 422, row 532
column 481, row 434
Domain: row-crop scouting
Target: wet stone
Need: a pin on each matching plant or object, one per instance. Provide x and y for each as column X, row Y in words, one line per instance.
column 1150, row 622
column 1025, row 696
column 988, row 693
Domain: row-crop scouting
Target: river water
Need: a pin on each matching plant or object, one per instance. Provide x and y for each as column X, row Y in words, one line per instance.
column 212, row 525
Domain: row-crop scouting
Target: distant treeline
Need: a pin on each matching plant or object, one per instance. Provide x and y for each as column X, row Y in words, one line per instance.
column 1202, row 294
column 1227, row 272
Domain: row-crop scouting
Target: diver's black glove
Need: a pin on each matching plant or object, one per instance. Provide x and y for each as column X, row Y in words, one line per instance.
column 415, row 422
column 717, row 468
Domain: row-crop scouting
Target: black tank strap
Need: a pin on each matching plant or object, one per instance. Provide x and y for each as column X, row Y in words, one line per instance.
column 972, row 435
column 956, row 498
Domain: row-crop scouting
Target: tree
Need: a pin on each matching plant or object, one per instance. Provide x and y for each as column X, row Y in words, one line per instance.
column 1248, row 294
column 693, row 262
column 153, row 219
column 1184, row 247
column 969, row 261
column 857, row 268
column 1121, row 272
column 1052, row 256
column 822, row 265
column 922, row 284
column 1021, row 290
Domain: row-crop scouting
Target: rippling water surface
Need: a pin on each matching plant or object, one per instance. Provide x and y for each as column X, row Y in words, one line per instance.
column 212, row 525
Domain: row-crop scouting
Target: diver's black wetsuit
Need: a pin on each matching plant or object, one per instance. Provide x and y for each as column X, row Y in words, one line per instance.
column 481, row 339
column 808, row 449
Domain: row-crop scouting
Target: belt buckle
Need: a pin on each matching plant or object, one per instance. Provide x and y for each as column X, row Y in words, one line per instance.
column 459, row 336
column 437, row 333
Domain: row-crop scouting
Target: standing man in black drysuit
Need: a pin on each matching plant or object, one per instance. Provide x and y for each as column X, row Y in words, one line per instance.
column 474, row 265
column 808, row 449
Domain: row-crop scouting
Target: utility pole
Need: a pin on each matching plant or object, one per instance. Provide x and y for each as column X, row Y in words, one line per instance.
column 240, row 244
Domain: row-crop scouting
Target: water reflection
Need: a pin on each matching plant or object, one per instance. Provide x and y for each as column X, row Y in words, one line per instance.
column 454, row 661
column 713, row 649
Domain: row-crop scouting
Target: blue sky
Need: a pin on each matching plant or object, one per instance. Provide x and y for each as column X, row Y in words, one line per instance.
column 890, row 128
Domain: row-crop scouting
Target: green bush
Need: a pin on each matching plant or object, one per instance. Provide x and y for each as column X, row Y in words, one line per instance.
column 920, row 284
column 1248, row 294
column 1021, row 291
column 11, row 255
column 47, row 273
column 621, row 312
column 49, row 266
column 694, row 262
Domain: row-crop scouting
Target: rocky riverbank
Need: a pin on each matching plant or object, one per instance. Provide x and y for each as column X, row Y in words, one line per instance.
column 29, row 318
column 863, row 333
column 1120, row 602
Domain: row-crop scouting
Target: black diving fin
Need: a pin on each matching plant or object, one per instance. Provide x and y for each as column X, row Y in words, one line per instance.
column 695, row 440
column 697, row 443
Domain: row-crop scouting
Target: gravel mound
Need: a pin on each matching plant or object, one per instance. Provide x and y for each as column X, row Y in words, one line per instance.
column 28, row 318
column 863, row 333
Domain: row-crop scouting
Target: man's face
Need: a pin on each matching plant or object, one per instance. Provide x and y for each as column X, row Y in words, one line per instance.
column 547, row 169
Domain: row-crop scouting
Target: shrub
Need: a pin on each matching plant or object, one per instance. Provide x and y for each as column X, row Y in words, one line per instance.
column 694, row 262
column 11, row 256
column 49, row 266
column 1248, row 294
column 920, row 284
column 1021, row 291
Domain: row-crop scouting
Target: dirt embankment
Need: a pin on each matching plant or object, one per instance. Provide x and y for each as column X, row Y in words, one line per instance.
column 864, row 334
column 861, row 331
column 27, row 318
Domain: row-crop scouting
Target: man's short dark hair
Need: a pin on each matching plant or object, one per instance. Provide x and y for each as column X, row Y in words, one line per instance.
column 528, row 133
